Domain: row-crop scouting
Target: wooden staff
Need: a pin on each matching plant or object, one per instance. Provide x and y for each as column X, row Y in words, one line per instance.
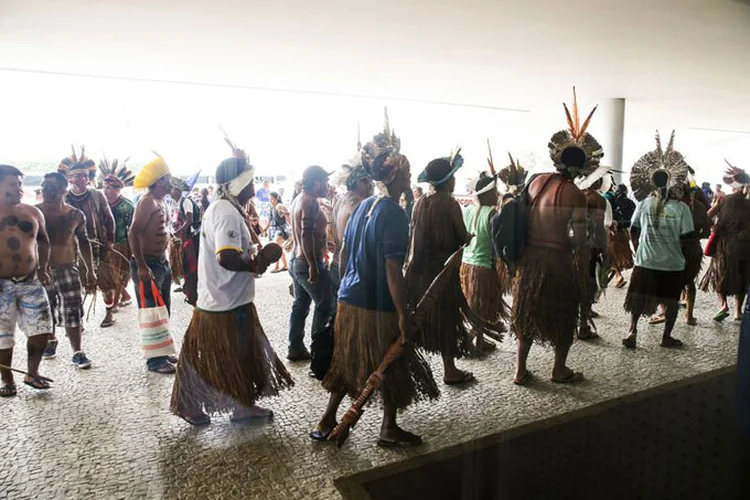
column 341, row 432
column 35, row 377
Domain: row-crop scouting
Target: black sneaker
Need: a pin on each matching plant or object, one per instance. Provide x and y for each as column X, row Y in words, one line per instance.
column 50, row 352
column 81, row 361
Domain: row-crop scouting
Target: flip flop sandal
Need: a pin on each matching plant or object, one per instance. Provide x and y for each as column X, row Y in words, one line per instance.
column 721, row 316
column 595, row 315
column 197, row 420
column 572, row 378
column 321, row 435
column 629, row 343
column 465, row 379
column 251, row 418
column 107, row 324
column 656, row 320
column 525, row 378
column 691, row 322
column 621, row 284
column 671, row 343
column 738, row 318
column 8, row 391
column 407, row 440
column 126, row 303
column 173, row 359
column 35, row 383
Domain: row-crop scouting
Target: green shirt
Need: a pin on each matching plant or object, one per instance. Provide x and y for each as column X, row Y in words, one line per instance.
column 122, row 211
column 479, row 252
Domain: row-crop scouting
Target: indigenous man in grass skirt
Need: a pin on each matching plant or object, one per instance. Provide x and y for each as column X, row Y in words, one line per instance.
column 659, row 224
column 480, row 279
column 618, row 239
column 100, row 224
column 438, row 230
column 372, row 311
column 733, row 242
column 115, row 177
column 548, row 287
column 227, row 363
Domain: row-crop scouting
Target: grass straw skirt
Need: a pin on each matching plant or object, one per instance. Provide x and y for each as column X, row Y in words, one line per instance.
column 547, row 294
column 114, row 270
column 693, row 253
column 732, row 267
column 505, row 277
column 648, row 288
column 482, row 289
column 175, row 259
column 363, row 336
column 619, row 251
column 444, row 330
column 226, row 360
column 708, row 282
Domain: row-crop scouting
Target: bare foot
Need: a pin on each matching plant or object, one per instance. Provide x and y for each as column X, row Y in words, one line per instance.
column 252, row 413
column 566, row 376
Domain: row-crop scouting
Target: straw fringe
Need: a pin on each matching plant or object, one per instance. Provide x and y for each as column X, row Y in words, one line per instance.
column 363, row 336
column 483, row 292
column 619, row 251
column 175, row 259
column 226, row 361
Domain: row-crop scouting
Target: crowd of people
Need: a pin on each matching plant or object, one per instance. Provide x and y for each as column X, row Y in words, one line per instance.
column 366, row 251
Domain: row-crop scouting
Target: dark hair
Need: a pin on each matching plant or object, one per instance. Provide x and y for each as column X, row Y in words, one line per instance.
column 275, row 196
column 61, row 180
column 313, row 174
column 622, row 188
column 573, row 156
column 8, row 170
column 419, row 190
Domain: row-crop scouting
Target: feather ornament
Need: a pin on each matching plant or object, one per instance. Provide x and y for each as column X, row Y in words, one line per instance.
column 577, row 135
column 671, row 160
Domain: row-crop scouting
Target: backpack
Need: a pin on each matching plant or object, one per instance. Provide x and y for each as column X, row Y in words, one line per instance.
column 509, row 226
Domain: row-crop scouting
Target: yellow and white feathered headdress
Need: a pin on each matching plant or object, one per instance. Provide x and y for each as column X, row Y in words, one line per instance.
column 150, row 173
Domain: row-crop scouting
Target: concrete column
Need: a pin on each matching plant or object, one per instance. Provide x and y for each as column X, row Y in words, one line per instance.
column 608, row 126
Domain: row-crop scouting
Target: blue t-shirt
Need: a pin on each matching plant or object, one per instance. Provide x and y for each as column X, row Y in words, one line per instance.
column 369, row 243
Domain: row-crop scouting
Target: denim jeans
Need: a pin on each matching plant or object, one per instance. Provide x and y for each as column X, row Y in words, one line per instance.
column 163, row 278
column 305, row 293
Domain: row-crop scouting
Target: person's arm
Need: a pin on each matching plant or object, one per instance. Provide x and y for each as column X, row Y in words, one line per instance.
column 143, row 213
column 397, row 288
column 310, row 211
column 84, row 246
column 42, row 242
column 687, row 228
column 108, row 221
column 228, row 243
column 635, row 225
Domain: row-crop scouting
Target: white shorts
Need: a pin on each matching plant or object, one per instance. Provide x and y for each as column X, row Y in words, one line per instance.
column 23, row 304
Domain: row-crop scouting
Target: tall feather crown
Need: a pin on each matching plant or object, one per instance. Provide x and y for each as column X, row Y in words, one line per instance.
column 381, row 156
column 78, row 160
column 671, row 160
column 576, row 135
column 115, row 172
column 734, row 176
column 513, row 175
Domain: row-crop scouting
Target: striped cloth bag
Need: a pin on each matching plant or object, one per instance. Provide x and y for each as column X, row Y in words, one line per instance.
column 153, row 325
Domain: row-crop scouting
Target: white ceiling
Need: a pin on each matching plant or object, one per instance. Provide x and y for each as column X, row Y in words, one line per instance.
column 679, row 63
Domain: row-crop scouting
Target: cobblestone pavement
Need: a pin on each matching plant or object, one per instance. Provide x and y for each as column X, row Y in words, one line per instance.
column 107, row 432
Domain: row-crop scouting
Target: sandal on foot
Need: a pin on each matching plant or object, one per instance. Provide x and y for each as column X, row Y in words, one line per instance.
column 8, row 390
column 621, row 283
column 36, row 383
column 126, row 303
column 691, row 322
column 523, row 380
column 320, row 434
column 656, row 320
column 405, row 440
column 671, row 342
column 197, row 419
column 465, row 379
column 738, row 318
column 173, row 359
column 587, row 335
column 570, row 378
column 485, row 347
column 107, row 324
column 629, row 342
column 721, row 316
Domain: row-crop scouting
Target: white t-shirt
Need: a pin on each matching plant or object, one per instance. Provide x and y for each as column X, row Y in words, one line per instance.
column 220, row 289
column 187, row 207
column 659, row 247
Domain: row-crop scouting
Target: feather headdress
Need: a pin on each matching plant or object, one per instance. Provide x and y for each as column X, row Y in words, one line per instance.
column 77, row 161
column 735, row 177
column 381, row 156
column 351, row 172
column 115, row 173
column 576, row 135
column 641, row 176
column 513, row 175
column 602, row 172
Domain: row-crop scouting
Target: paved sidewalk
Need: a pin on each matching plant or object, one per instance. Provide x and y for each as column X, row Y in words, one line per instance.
column 108, row 433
